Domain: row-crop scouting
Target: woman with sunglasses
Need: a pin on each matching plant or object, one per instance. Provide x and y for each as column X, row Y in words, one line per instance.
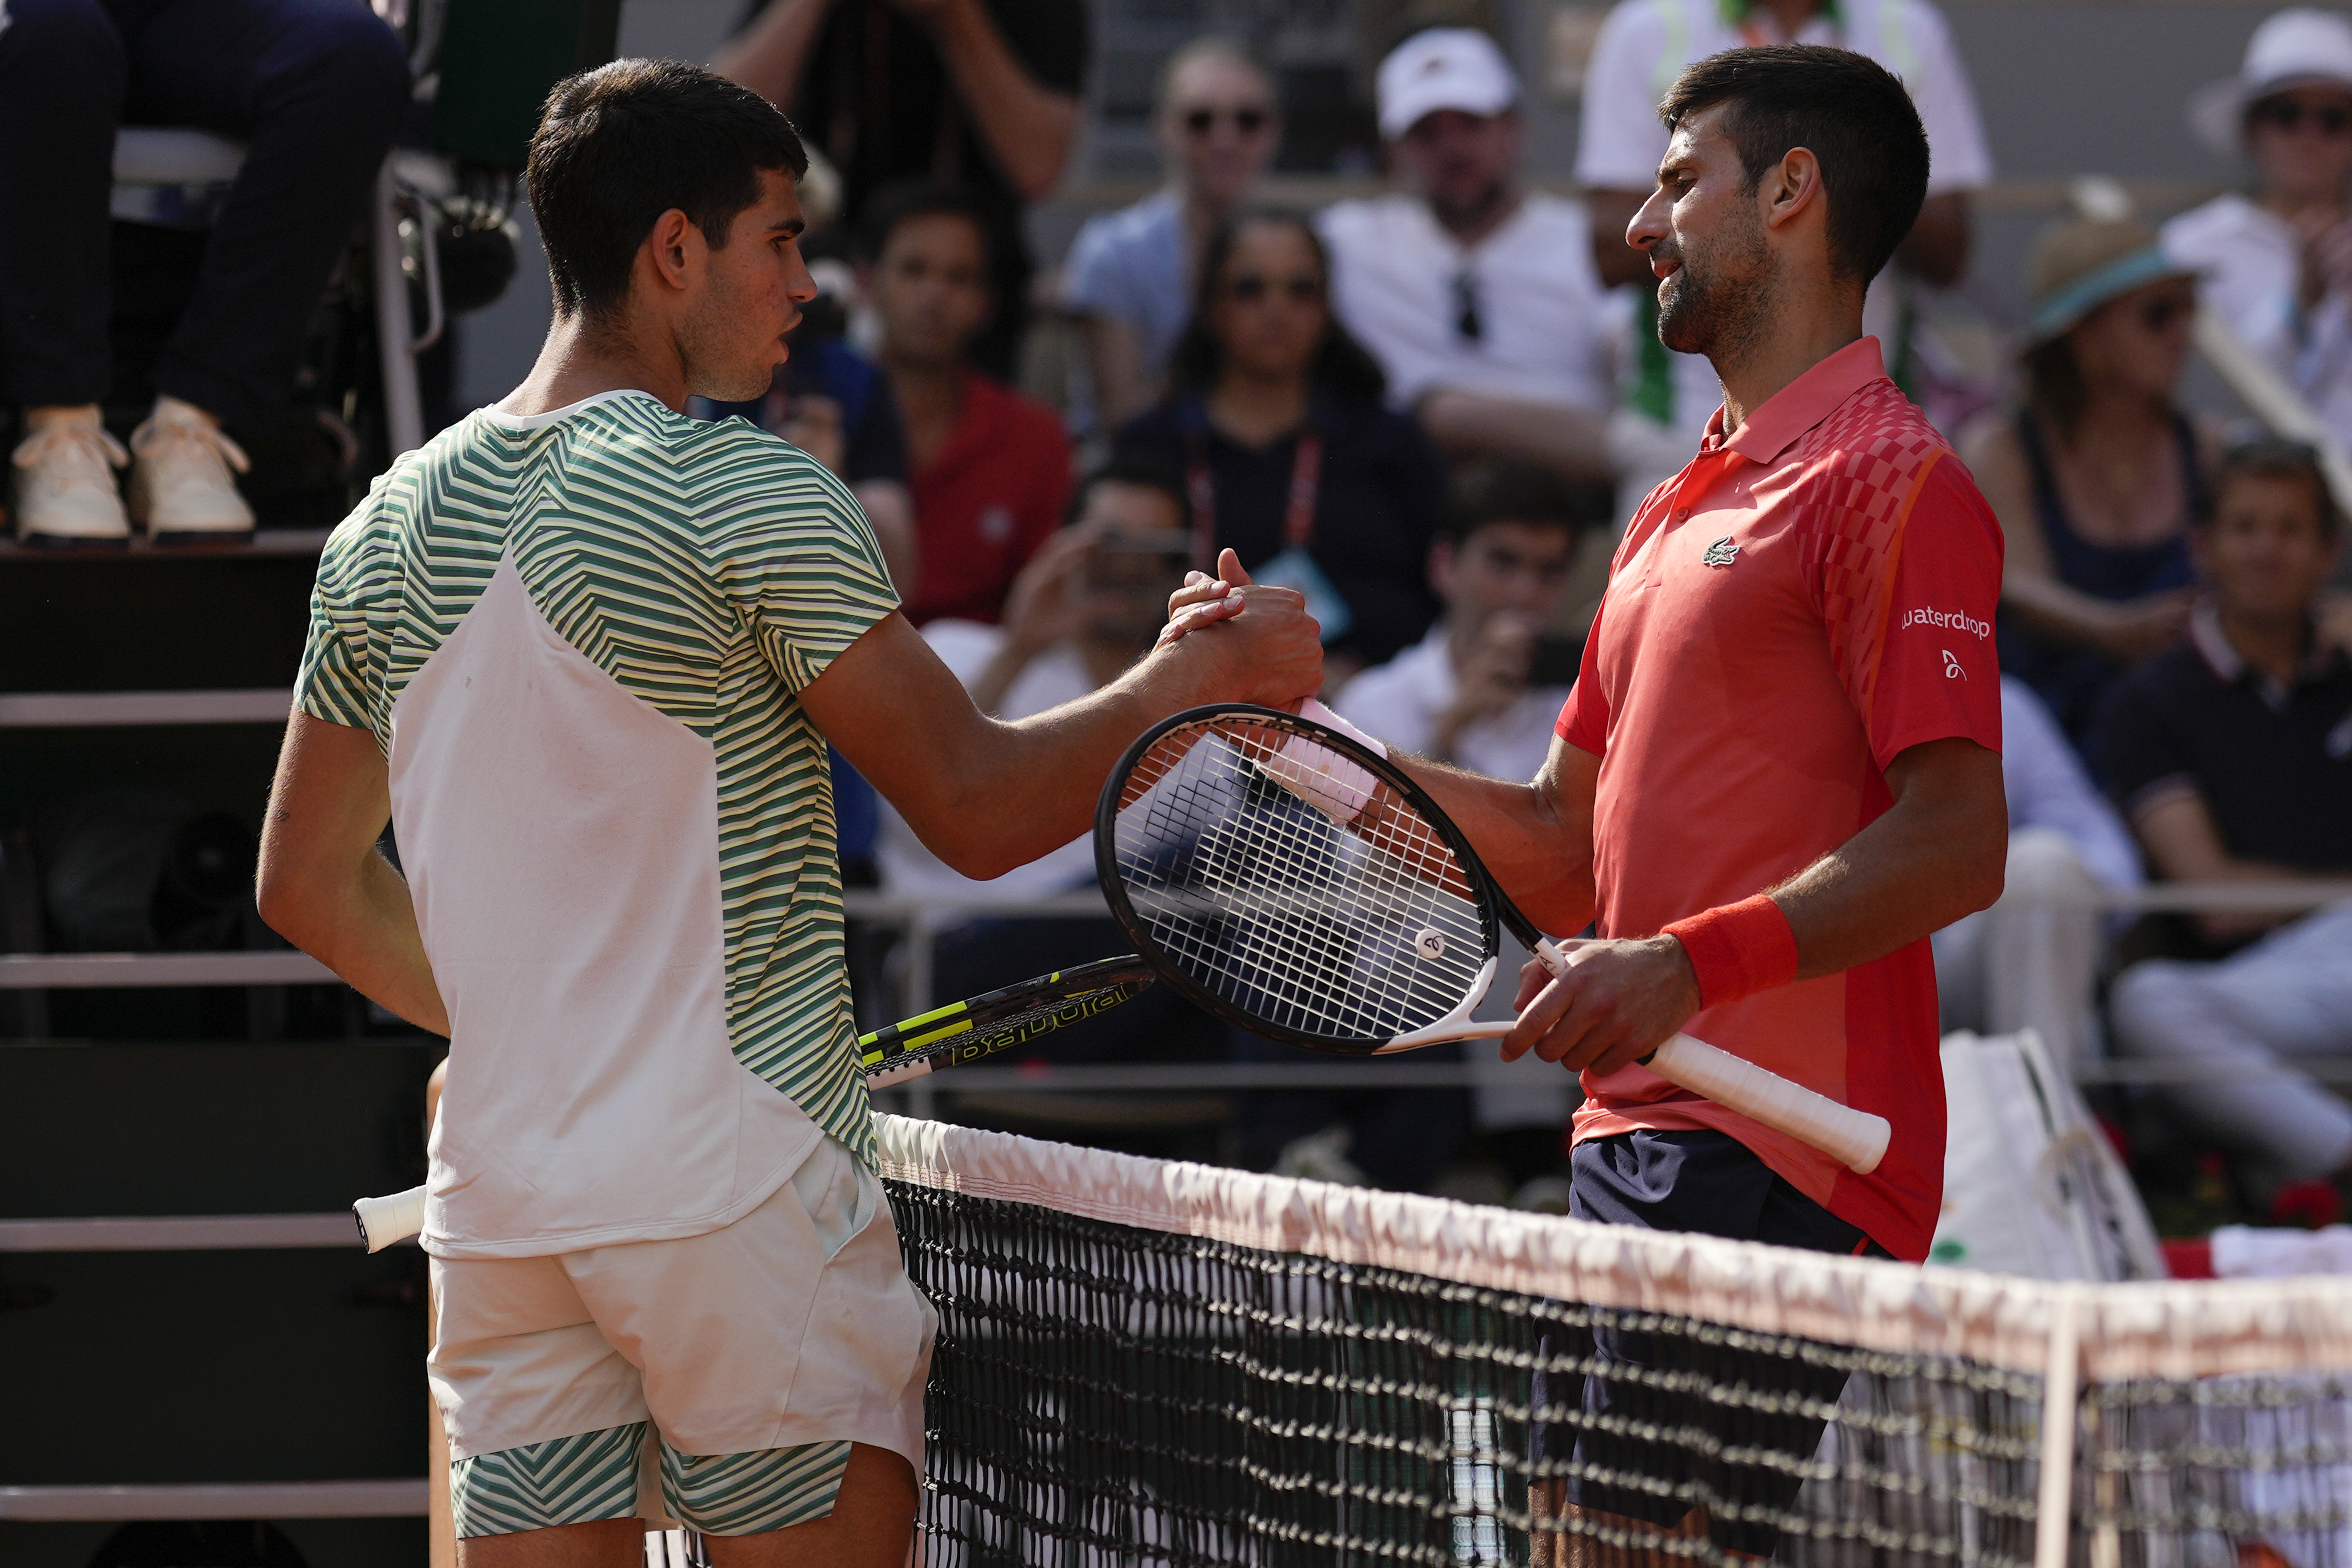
column 1129, row 279
column 2097, row 476
column 1274, row 415
column 2277, row 260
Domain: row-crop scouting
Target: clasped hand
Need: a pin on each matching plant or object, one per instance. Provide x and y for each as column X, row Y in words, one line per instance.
column 1277, row 648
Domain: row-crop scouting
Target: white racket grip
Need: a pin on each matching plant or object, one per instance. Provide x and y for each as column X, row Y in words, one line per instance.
column 1320, row 777
column 1855, row 1139
column 904, row 1072
column 385, row 1220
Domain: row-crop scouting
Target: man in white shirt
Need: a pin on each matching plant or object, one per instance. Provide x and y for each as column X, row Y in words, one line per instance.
column 2278, row 265
column 1463, row 694
column 2032, row 961
column 1640, row 47
column 1477, row 297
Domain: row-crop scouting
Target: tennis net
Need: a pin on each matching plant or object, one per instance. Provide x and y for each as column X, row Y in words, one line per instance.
column 1142, row 1361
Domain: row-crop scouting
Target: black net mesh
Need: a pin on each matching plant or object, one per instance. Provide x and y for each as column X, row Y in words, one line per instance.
column 1108, row 1395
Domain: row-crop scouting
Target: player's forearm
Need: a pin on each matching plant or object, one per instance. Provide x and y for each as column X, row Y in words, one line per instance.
column 1528, row 837
column 1029, row 129
column 362, row 925
column 1938, row 853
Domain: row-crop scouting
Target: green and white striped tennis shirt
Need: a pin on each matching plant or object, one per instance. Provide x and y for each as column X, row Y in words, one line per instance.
column 579, row 638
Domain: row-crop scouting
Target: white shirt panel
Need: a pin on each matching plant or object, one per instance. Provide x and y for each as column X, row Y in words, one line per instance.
column 560, row 842
column 1547, row 336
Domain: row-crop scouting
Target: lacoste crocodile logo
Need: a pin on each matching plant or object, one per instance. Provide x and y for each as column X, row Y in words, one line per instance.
column 1722, row 553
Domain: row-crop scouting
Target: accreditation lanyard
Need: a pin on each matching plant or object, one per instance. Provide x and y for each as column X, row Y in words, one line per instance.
column 1299, row 521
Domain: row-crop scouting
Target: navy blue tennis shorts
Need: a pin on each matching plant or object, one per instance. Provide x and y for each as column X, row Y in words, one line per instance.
column 1712, row 1184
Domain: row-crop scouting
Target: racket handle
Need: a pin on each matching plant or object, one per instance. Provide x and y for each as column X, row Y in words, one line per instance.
column 385, row 1220
column 1855, row 1139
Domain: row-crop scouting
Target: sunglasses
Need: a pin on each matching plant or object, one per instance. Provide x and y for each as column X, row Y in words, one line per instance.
column 1248, row 121
column 2289, row 114
column 1253, row 285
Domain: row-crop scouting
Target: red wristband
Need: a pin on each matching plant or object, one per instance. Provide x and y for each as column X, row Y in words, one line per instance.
column 1738, row 949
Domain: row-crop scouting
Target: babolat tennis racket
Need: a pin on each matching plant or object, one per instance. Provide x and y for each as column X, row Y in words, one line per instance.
column 1289, row 880
column 968, row 1031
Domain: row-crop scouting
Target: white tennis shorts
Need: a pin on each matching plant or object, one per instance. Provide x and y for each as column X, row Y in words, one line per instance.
column 757, row 1352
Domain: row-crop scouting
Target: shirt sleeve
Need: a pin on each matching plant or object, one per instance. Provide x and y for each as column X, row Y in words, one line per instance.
column 800, row 562
column 1584, row 718
column 339, row 669
column 1620, row 139
column 1959, row 158
column 1908, row 578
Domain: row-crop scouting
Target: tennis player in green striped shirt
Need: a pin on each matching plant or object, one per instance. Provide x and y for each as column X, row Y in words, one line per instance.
column 585, row 653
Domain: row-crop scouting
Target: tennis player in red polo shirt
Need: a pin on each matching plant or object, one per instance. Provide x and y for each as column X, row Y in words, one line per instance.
column 1780, row 770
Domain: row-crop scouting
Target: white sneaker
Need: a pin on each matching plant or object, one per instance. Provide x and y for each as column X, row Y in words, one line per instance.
column 65, row 481
column 181, row 488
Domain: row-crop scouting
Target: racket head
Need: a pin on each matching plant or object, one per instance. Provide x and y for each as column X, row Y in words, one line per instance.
column 1012, row 1015
column 1289, row 882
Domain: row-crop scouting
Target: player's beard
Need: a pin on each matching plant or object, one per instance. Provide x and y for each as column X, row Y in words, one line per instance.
column 1721, row 299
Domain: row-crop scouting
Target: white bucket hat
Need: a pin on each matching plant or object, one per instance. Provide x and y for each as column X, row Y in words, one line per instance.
column 2297, row 48
column 1444, row 68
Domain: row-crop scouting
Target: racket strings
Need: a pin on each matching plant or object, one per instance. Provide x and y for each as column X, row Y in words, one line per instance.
column 1233, row 862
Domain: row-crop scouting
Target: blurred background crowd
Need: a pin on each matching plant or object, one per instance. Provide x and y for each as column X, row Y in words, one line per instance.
column 1341, row 284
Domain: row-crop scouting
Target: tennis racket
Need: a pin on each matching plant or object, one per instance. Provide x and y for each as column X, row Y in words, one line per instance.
column 1288, row 879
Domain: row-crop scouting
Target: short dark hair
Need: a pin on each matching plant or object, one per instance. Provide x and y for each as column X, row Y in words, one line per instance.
column 1847, row 110
column 1143, row 472
column 2274, row 460
column 1341, row 364
column 903, row 201
column 1485, row 492
column 618, row 146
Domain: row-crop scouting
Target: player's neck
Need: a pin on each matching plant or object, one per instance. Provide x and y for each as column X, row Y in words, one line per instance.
column 1794, row 336
column 582, row 359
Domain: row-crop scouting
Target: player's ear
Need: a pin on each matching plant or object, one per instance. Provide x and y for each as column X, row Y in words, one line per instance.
column 673, row 246
column 1791, row 187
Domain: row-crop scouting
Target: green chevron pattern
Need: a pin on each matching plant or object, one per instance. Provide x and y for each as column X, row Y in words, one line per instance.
column 747, row 1494
column 712, row 570
column 564, row 1481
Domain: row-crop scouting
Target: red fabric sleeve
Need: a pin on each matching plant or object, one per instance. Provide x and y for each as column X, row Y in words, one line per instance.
column 1909, row 611
column 1583, row 719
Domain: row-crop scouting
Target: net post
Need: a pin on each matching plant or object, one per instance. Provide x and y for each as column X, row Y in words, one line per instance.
column 2054, row 1512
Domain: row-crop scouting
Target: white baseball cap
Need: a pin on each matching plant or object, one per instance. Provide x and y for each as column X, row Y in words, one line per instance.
column 1444, row 68
column 2298, row 47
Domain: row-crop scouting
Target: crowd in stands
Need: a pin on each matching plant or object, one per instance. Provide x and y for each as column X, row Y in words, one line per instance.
column 1419, row 406
column 1430, row 410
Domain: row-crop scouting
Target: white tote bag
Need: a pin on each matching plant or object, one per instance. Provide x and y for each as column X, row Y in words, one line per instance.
column 2030, row 1184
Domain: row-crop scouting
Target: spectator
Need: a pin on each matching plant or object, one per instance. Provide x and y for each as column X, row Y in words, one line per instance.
column 2278, row 266
column 1642, row 46
column 1463, row 694
column 990, row 468
column 318, row 88
column 1274, row 417
column 981, row 93
column 2096, row 477
column 2232, row 758
column 2032, row 961
column 1130, row 272
column 1476, row 296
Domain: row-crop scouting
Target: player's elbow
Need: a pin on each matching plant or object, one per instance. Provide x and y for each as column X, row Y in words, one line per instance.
column 1984, row 866
column 284, row 904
